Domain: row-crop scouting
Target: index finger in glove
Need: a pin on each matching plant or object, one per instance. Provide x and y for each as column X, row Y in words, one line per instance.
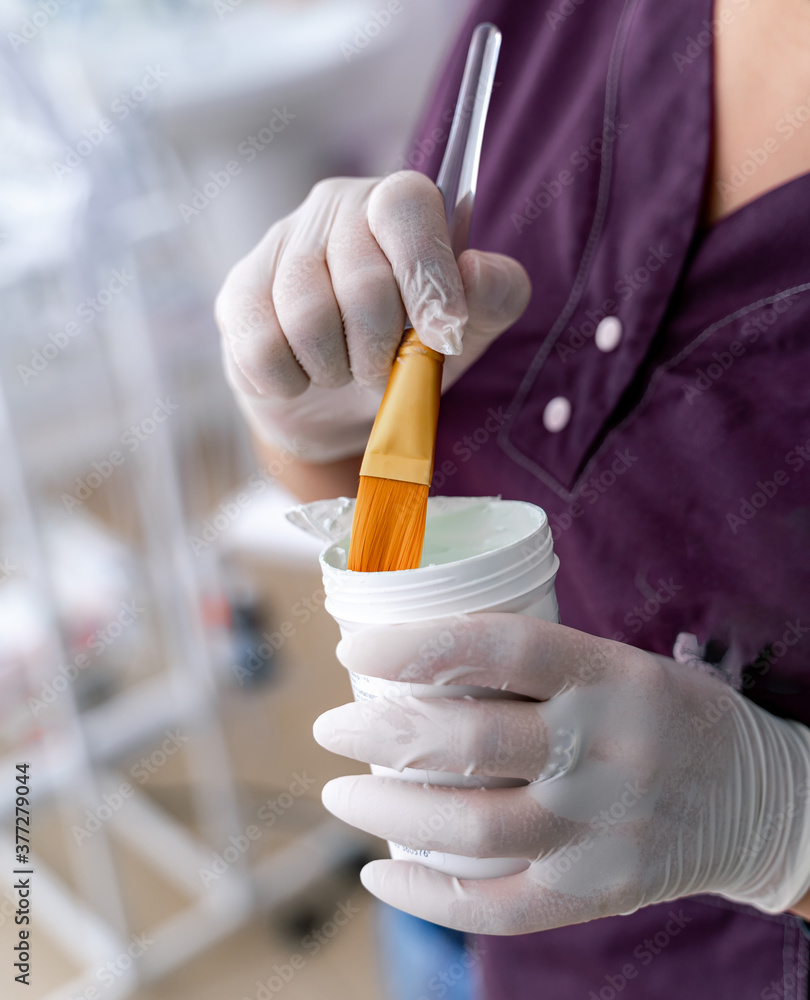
column 407, row 219
column 526, row 656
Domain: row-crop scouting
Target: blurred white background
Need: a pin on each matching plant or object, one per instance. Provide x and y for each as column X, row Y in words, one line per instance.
column 163, row 646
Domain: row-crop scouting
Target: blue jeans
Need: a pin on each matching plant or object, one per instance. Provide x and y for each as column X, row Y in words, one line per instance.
column 423, row 961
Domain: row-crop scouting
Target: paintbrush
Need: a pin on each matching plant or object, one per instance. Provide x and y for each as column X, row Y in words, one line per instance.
column 388, row 529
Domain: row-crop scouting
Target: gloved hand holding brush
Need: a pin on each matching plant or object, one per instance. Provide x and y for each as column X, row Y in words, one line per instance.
column 312, row 317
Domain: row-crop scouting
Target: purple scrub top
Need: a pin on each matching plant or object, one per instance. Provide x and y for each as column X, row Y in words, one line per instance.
column 655, row 400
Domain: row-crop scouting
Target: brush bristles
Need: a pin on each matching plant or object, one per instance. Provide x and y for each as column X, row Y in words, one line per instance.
column 388, row 529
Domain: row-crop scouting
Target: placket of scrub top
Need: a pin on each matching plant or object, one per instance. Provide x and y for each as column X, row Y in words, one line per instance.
column 651, row 183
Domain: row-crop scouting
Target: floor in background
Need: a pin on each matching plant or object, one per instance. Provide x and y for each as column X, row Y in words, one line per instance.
column 344, row 968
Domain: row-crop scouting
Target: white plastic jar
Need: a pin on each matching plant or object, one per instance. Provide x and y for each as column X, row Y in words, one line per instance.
column 480, row 554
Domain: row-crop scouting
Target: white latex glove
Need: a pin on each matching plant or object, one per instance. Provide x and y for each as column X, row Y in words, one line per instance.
column 647, row 780
column 312, row 317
